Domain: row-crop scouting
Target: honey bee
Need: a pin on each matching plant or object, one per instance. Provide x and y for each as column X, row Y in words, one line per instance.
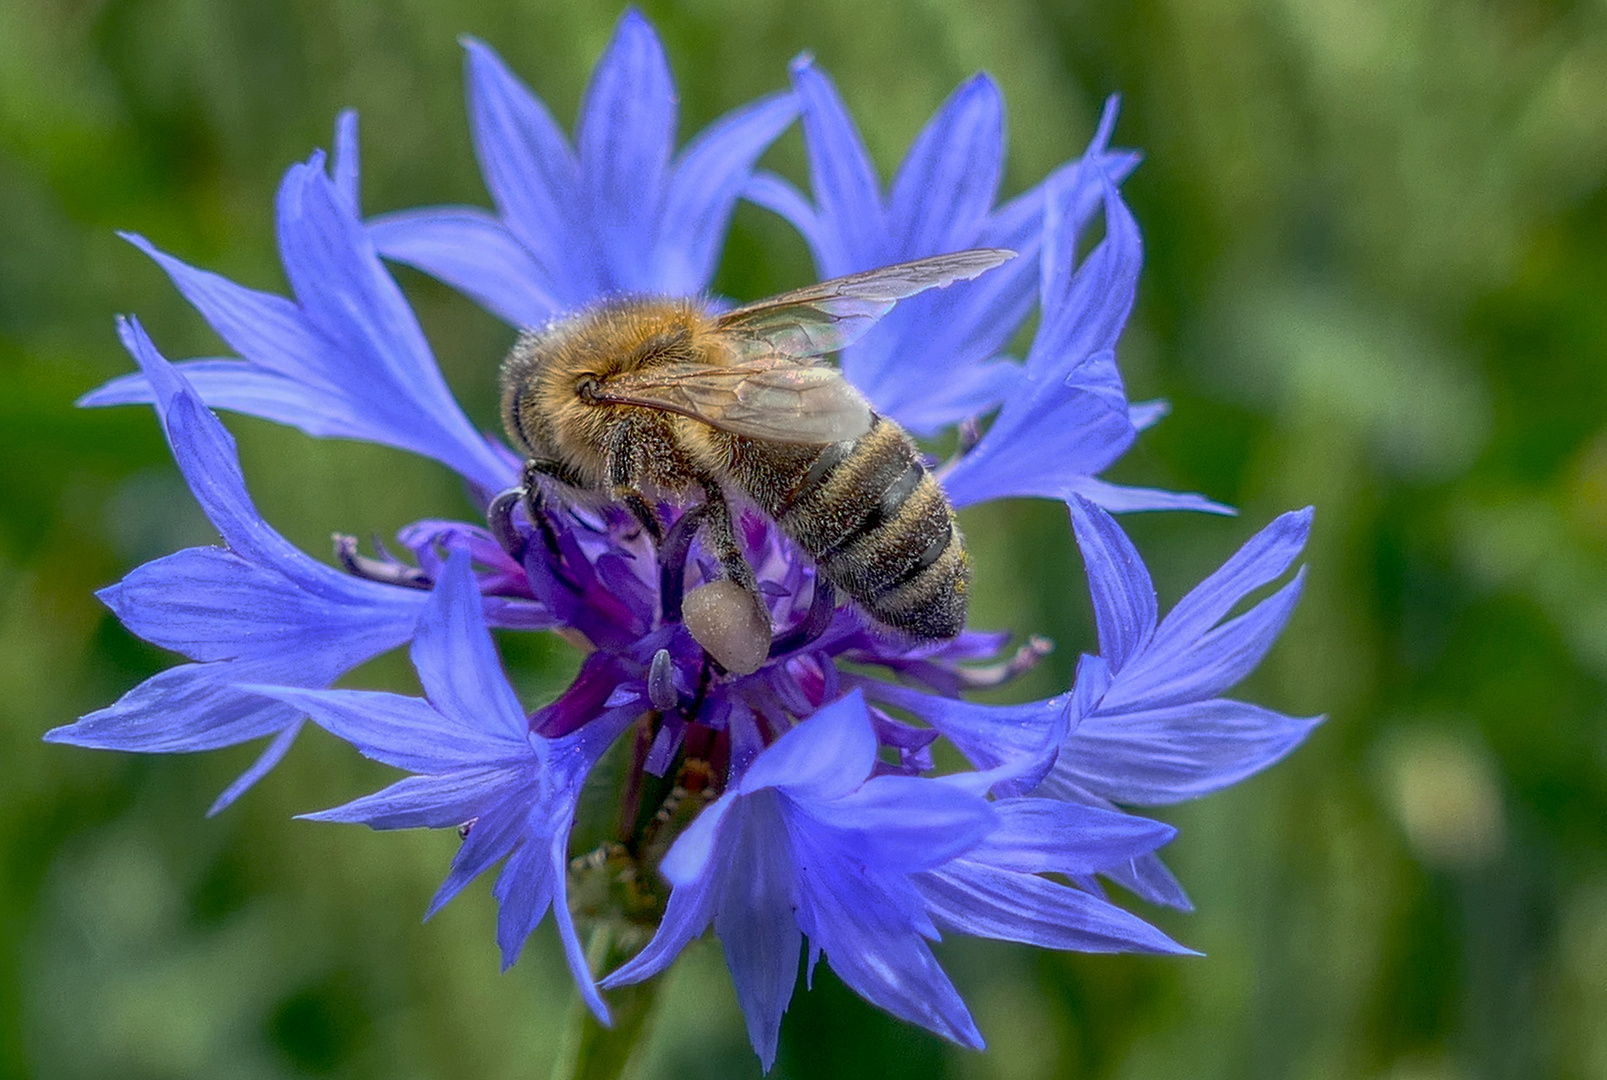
column 640, row 400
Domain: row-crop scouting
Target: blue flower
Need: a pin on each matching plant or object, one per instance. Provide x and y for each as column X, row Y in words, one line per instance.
column 615, row 213
column 823, row 817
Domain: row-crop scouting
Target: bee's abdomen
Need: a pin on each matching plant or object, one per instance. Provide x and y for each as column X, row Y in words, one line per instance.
column 882, row 530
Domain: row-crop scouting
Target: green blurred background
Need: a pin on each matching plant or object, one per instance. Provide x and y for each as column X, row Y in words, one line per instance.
column 1375, row 282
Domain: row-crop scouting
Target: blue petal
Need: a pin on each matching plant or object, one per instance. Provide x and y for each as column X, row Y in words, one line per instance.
column 268, row 330
column 1262, row 559
column 272, row 754
column 378, row 351
column 1148, row 878
column 243, row 387
column 527, row 165
column 1038, row 836
column 1167, row 755
column 901, row 824
column 211, row 604
column 1119, row 499
column 709, row 175
column 867, row 926
column 474, row 253
column 840, row 174
column 946, row 185
column 988, row 735
column 457, row 662
column 524, row 893
column 687, row 861
column 827, row 756
column 755, row 920
column 1177, row 672
column 344, row 168
column 1050, row 435
column 624, row 138
column 206, row 455
column 983, row 901
column 498, row 827
column 688, row 913
column 430, row 802
column 401, row 731
column 195, row 707
column 1123, row 595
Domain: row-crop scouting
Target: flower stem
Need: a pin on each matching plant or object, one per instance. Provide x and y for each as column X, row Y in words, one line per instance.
column 589, row 1051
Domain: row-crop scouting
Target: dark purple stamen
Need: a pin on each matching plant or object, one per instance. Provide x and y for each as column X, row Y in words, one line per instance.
column 672, row 555
column 822, row 606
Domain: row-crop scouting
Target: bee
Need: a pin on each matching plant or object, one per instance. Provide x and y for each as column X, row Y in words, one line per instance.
column 641, row 400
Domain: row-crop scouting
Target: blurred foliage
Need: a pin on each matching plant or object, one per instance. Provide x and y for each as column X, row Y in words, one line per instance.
column 1374, row 282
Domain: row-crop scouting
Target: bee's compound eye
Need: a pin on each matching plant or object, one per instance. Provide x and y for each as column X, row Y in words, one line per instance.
column 730, row 623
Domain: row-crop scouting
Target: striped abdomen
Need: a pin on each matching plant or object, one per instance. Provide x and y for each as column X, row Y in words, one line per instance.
column 874, row 520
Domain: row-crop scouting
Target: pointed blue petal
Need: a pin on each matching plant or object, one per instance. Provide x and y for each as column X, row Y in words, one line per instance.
column 271, row 755
column 401, row 731
column 211, row 604
column 988, row 735
column 1037, row 836
column 527, row 165
column 845, row 185
column 624, row 139
column 378, row 350
column 187, row 708
column 971, row 898
column 1120, row 499
column 1050, row 434
column 1167, row 755
column 869, row 937
column 900, row 823
column 497, row 830
column 344, row 168
column 826, row 756
column 267, row 330
column 1147, row 878
column 947, row 183
column 243, row 387
column 709, row 175
column 457, row 662
column 686, row 916
column 474, row 253
column 1262, row 559
column 206, row 456
column 1174, row 672
column 756, row 922
column 430, row 802
column 1123, row 595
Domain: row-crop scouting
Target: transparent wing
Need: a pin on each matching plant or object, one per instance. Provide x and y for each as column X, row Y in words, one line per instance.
column 826, row 317
column 772, row 398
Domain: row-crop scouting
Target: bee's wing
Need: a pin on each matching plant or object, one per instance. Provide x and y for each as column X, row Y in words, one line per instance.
column 826, row 317
column 772, row 398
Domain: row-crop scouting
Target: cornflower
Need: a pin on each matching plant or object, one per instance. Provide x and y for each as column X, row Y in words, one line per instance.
column 796, row 809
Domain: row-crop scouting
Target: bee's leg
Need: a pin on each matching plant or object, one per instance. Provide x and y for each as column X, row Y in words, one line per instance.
column 630, row 450
column 533, row 501
column 719, row 535
column 727, row 616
